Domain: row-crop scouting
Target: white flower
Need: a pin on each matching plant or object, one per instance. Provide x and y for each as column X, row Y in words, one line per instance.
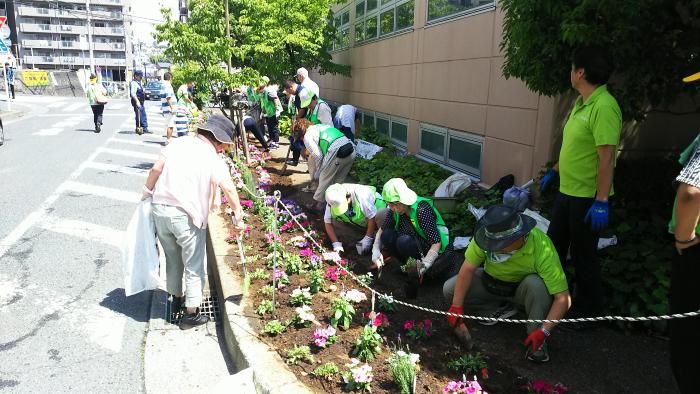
column 354, row 295
column 304, row 313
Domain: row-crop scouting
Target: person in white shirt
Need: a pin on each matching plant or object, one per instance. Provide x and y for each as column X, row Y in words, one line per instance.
column 181, row 184
column 305, row 81
column 344, row 120
column 354, row 204
column 330, row 156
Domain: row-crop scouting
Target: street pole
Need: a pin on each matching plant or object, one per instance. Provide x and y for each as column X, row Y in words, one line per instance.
column 89, row 29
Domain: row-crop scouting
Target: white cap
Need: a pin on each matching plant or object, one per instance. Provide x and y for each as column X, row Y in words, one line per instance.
column 303, row 72
column 266, row 79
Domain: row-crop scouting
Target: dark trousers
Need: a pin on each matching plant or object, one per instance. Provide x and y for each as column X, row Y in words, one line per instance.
column 348, row 133
column 140, row 116
column 685, row 333
column 252, row 126
column 400, row 246
column 273, row 129
column 571, row 234
column 97, row 111
column 296, row 146
column 12, row 90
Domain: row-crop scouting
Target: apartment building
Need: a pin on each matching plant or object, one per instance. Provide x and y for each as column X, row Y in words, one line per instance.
column 183, row 11
column 58, row 34
column 427, row 73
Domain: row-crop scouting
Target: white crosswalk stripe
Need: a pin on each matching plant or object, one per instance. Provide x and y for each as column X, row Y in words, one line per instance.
column 49, row 131
column 117, row 169
column 149, row 144
column 84, row 230
column 74, row 106
column 106, row 192
column 128, row 153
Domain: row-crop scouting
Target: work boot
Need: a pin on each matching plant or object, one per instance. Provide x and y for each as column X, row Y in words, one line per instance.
column 97, row 128
column 191, row 320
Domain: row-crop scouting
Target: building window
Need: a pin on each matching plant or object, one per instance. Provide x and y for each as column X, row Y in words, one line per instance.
column 359, row 31
column 386, row 24
column 443, row 9
column 359, row 9
column 371, row 28
column 453, row 148
column 368, row 119
column 404, row 15
column 382, row 18
column 383, row 125
column 341, row 21
column 399, row 131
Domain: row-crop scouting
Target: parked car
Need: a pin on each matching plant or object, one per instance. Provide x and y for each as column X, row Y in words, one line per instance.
column 153, row 90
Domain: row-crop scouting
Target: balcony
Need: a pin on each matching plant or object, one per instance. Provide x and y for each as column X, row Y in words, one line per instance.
column 107, row 2
column 37, row 28
column 36, row 12
column 106, row 15
column 109, row 46
column 40, row 60
column 71, row 14
column 72, row 29
column 108, row 31
column 40, row 44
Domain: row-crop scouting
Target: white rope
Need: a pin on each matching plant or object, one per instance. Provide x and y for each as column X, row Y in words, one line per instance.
column 473, row 317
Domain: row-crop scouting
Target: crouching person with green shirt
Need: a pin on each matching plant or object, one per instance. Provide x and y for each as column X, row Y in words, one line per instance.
column 520, row 266
column 357, row 205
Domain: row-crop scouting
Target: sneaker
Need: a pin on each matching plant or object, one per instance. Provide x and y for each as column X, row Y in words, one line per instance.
column 292, row 163
column 308, row 189
column 273, row 145
column 540, row 356
column 97, row 128
column 176, row 306
column 191, row 320
column 504, row 312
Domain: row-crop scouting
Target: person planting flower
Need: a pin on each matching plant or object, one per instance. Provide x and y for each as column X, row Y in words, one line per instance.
column 415, row 229
column 521, row 266
column 330, row 153
column 359, row 205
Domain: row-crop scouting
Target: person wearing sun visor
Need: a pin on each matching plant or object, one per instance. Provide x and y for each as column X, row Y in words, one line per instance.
column 520, row 266
column 354, row 204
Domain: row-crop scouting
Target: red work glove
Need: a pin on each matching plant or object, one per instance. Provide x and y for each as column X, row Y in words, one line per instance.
column 452, row 320
column 535, row 340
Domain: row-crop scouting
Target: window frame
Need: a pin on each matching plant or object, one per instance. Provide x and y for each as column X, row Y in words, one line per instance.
column 382, row 116
column 403, row 122
column 434, row 130
column 342, row 29
column 449, row 135
column 376, row 14
column 472, row 11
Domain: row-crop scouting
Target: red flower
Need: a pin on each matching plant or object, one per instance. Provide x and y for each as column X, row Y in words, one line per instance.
column 484, row 373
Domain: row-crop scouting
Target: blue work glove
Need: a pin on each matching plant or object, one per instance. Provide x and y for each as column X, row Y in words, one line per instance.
column 548, row 178
column 598, row 215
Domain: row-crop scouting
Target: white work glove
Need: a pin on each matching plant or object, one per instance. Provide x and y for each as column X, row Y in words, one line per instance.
column 365, row 245
column 338, row 247
column 377, row 257
column 426, row 262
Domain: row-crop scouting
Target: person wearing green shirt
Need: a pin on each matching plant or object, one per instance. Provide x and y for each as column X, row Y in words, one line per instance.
column 685, row 268
column 585, row 171
column 520, row 266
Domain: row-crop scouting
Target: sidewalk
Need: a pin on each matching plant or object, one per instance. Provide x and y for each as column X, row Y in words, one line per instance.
column 12, row 110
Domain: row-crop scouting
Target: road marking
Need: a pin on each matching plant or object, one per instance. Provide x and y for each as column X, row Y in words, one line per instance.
column 49, row 131
column 106, row 192
column 55, row 105
column 116, row 106
column 148, row 143
column 60, row 114
column 73, row 107
column 128, row 153
column 116, row 168
column 83, row 230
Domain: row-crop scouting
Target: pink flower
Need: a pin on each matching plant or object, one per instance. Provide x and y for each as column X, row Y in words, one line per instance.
column 278, row 274
column 224, row 199
column 307, row 252
column 408, row 325
column 542, row 386
column 560, row 388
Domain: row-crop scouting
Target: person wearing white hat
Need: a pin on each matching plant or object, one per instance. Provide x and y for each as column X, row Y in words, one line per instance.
column 354, row 204
column 305, row 81
column 317, row 110
column 414, row 230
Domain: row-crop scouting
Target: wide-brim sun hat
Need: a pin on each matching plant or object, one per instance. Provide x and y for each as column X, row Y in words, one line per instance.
column 220, row 127
column 500, row 226
column 395, row 190
column 337, row 199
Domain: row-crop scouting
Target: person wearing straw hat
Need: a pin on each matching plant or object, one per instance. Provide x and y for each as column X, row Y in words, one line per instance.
column 414, row 229
column 354, row 204
column 685, row 226
column 180, row 184
column 520, row 266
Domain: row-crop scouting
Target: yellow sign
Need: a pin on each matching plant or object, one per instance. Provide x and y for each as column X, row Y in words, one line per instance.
column 35, row 78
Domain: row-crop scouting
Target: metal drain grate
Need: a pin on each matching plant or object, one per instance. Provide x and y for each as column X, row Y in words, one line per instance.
column 209, row 307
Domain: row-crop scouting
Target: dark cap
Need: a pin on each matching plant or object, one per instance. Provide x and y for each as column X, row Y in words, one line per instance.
column 500, row 226
column 138, row 73
column 220, row 127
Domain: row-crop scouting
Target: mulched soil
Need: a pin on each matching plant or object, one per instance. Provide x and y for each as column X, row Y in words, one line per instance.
column 603, row 360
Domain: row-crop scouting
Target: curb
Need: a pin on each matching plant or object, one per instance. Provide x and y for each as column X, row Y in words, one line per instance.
column 19, row 111
column 269, row 372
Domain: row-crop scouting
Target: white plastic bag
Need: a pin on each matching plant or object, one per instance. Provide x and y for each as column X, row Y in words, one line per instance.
column 140, row 252
column 366, row 150
column 452, row 185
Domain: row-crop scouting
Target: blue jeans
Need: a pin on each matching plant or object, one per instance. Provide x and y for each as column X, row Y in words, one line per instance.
column 140, row 116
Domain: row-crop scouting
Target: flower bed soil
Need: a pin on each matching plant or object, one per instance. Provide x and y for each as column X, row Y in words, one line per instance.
column 500, row 344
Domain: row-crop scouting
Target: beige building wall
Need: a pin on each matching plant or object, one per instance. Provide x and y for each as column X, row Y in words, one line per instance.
column 449, row 74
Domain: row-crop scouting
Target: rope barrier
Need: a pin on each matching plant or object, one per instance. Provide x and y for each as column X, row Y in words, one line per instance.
column 278, row 201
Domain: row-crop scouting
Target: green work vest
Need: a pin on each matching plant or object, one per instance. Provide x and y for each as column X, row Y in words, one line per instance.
column 413, row 215
column 313, row 116
column 359, row 217
column 268, row 106
column 327, row 136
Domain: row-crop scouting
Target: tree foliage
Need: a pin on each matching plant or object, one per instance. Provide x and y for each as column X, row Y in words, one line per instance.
column 653, row 44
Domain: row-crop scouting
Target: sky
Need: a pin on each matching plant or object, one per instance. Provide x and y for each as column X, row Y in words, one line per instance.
column 146, row 14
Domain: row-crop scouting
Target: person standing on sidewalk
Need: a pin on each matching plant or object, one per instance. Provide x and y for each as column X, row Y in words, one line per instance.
column 685, row 269
column 10, row 72
column 138, row 98
column 305, row 81
column 271, row 110
column 180, row 184
column 585, row 169
column 97, row 98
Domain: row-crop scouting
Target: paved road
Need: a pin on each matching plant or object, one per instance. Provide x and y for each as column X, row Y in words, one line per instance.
column 66, row 196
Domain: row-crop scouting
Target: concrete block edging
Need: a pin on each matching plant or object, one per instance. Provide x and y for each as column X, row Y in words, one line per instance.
column 270, row 373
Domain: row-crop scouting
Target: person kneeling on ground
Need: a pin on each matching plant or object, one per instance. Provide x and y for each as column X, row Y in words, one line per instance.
column 521, row 266
column 330, row 155
column 249, row 124
column 180, row 183
column 354, row 204
column 414, row 229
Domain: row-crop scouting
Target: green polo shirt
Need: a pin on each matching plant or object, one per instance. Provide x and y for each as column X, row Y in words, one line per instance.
column 591, row 124
column 537, row 256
